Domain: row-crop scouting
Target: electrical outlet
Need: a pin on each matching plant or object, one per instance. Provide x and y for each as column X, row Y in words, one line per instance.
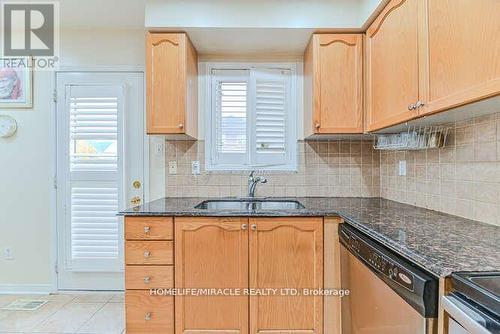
column 8, row 254
column 195, row 167
column 172, row 167
column 159, row 149
column 402, row 167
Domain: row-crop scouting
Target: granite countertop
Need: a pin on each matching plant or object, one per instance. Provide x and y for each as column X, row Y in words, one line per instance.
column 437, row 242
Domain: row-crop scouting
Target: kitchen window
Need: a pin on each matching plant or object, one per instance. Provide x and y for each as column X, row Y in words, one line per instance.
column 252, row 123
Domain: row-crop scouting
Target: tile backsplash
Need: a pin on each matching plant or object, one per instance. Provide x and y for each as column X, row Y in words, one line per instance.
column 325, row 168
column 462, row 179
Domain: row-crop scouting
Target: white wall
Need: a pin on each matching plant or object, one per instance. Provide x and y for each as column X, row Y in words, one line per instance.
column 27, row 160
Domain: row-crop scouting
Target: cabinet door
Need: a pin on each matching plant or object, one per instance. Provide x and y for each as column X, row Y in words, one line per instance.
column 286, row 253
column 392, row 64
column 166, row 83
column 211, row 253
column 339, row 83
column 463, row 55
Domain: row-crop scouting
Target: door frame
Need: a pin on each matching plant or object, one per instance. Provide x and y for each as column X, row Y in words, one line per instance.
column 54, row 205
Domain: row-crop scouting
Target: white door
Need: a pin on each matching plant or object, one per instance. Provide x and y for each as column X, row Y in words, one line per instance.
column 100, row 170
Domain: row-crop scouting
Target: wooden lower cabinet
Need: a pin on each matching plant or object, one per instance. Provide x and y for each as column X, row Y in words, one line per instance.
column 149, row 259
column 149, row 277
column 149, row 252
column 211, row 253
column 147, row 314
column 286, row 253
column 255, row 254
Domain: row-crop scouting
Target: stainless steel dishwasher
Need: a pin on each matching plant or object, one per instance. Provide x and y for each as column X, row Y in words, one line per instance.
column 388, row 294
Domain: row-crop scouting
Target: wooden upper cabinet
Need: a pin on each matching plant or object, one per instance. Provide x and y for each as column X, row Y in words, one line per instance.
column 211, row 253
column 171, row 80
column 333, row 70
column 463, row 52
column 286, row 253
column 392, row 61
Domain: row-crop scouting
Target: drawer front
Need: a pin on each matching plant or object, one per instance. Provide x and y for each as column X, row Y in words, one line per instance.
column 149, row 252
column 149, row 277
column 148, row 314
column 149, row 228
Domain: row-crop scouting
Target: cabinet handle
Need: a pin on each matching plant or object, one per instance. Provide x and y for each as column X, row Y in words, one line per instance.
column 147, row 229
column 147, row 280
column 180, row 126
column 254, row 227
column 244, row 226
column 147, row 254
column 147, row 316
column 317, row 125
column 419, row 104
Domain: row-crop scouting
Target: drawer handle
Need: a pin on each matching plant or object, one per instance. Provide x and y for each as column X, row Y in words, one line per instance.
column 147, row 279
column 147, row 254
column 147, row 229
column 147, row 316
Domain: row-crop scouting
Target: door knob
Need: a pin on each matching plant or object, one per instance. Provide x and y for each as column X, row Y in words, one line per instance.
column 137, row 184
column 180, row 126
column 147, row 280
column 147, row 229
column 244, row 226
column 147, row 316
column 317, row 126
column 411, row 107
column 254, row 227
column 147, row 254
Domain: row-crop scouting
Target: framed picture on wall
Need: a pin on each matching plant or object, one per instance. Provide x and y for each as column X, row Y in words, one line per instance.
column 16, row 83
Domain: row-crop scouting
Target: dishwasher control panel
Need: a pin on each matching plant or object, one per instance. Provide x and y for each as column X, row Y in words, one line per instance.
column 378, row 261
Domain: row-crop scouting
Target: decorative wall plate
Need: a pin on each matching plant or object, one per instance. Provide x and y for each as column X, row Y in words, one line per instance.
column 8, row 126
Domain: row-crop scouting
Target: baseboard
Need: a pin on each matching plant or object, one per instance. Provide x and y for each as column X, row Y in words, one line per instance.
column 26, row 289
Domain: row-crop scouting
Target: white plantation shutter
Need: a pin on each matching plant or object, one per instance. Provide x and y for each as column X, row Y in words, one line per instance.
column 230, row 116
column 94, row 225
column 272, row 113
column 253, row 119
column 94, row 129
column 93, row 118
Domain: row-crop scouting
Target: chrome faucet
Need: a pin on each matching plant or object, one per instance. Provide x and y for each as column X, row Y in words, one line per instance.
column 252, row 183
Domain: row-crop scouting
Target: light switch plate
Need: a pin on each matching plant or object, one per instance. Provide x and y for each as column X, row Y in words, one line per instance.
column 172, row 167
column 8, row 254
column 195, row 167
column 402, row 167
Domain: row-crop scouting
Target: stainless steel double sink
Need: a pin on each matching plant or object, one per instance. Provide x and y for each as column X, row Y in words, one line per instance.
column 250, row 204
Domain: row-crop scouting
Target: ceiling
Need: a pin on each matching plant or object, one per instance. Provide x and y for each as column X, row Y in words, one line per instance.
column 244, row 28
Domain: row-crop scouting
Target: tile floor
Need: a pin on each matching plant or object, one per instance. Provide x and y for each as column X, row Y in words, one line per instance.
column 91, row 313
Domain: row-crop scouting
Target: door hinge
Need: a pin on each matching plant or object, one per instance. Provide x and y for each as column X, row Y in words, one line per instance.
column 56, row 268
column 54, row 96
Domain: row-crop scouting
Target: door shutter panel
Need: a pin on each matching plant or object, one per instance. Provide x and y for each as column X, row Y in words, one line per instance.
column 94, row 119
column 94, row 224
column 94, row 236
column 272, row 96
